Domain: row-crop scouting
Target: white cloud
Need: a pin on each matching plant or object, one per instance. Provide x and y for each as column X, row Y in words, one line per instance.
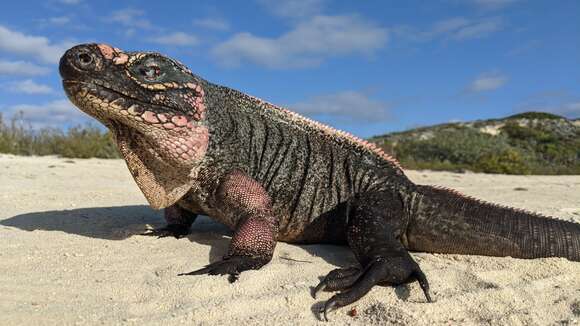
column 21, row 68
column 493, row 4
column 487, row 82
column 525, row 47
column 55, row 21
column 28, row 86
column 52, row 114
column 60, row 20
column 130, row 17
column 217, row 24
column 38, row 47
column 176, row 39
column 347, row 104
column 478, row 29
column 309, row 43
column 457, row 28
column 448, row 26
column 293, row 8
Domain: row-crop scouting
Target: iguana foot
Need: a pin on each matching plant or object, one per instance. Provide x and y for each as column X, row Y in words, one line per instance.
column 232, row 266
column 373, row 233
column 171, row 230
column 355, row 283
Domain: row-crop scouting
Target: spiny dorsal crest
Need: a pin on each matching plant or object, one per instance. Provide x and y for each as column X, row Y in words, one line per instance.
column 331, row 132
column 483, row 202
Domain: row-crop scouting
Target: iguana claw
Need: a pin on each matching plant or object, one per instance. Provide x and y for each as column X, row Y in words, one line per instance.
column 171, row 230
column 232, row 266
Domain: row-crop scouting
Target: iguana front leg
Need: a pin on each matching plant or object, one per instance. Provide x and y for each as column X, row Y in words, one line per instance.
column 179, row 221
column 247, row 204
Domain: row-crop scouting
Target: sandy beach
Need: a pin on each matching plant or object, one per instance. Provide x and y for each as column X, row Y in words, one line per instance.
column 71, row 254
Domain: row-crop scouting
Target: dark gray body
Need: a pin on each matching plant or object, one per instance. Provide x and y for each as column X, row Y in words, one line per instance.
column 309, row 176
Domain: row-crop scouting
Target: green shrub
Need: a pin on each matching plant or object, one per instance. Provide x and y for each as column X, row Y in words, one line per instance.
column 77, row 142
column 548, row 146
column 528, row 134
column 509, row 161
column 536, row 115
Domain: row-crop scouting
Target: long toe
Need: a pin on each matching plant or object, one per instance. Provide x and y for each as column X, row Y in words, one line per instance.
column 232, row 266
column 171, row 230
column 338, row 280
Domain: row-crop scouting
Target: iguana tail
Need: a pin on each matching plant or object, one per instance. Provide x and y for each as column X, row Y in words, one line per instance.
column 446, row 221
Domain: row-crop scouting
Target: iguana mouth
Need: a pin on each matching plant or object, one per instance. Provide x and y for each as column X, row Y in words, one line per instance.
column 106, row 104
column 174, row 135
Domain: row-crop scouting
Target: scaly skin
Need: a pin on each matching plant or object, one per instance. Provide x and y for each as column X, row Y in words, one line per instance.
column 194, row 147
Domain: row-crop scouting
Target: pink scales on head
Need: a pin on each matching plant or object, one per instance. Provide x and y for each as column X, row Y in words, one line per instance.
column 179, row 120
column 121, row 58
column 107, row 51
column 150, row 117
column 114, row 54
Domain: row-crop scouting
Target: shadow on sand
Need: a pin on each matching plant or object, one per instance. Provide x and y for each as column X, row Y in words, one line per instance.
column 118, row 223
column 111, row 223
column 122, row 222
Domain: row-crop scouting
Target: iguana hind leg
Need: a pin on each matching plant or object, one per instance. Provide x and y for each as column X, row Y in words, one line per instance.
column 179, row 221
column 375, row 225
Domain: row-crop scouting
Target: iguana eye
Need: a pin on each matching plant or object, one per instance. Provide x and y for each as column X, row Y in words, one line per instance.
column 150, row 71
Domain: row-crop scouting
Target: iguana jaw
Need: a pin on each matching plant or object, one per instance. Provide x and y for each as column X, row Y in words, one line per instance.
column 176, row 138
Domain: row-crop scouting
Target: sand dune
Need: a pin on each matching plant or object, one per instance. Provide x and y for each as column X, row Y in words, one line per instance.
column 70, row 253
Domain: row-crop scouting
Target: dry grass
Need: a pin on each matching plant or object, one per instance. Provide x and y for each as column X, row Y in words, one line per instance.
column 19, row 138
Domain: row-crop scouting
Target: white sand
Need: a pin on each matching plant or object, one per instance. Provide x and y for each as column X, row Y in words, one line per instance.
column 70, row 254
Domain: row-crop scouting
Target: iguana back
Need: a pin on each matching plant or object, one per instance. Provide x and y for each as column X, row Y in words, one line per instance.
column 324, row 167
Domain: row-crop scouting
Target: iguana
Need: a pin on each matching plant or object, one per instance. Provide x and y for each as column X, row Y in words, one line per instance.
column 194, row 147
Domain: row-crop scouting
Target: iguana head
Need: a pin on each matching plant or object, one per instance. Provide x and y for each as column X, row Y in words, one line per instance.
column 153, row 105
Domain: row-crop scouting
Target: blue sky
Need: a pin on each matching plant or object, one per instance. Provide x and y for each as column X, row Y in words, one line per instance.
column 368, row 67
